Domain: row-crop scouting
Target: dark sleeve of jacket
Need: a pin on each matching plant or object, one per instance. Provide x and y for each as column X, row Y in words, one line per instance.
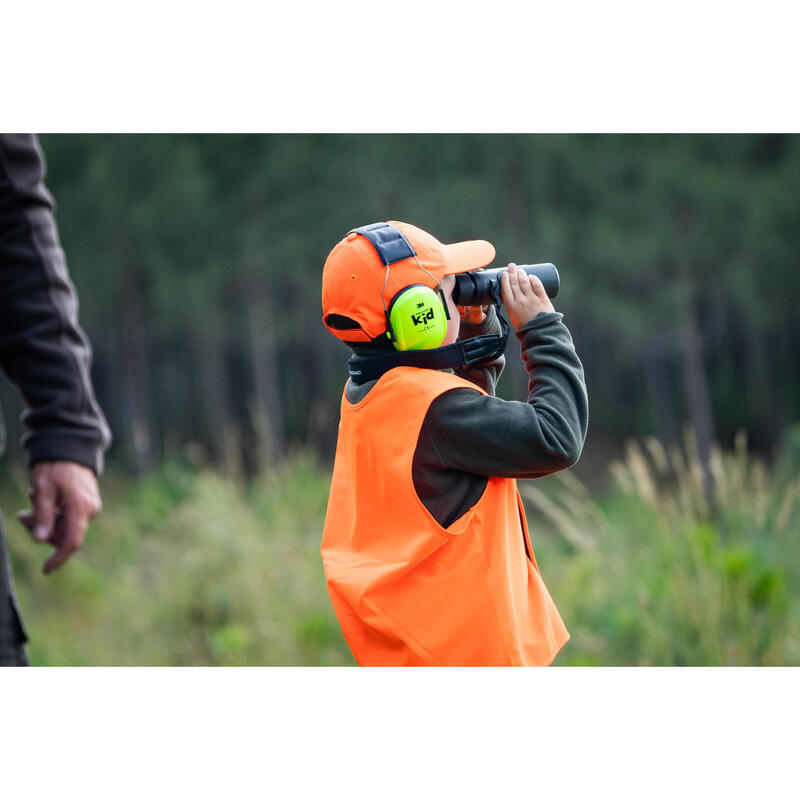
column 42, row 348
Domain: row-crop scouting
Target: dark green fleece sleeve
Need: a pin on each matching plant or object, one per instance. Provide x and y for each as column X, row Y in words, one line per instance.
column 483, row 435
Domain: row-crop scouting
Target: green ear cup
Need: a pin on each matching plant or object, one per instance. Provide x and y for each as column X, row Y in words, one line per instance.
column 418, row 319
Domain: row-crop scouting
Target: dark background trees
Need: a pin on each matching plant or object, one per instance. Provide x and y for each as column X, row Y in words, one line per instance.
column 198, row 257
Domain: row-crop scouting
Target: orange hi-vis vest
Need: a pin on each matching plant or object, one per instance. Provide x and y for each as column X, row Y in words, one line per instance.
column 407, row 591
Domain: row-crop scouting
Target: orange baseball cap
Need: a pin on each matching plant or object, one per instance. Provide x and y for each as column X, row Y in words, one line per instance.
column 354, row 275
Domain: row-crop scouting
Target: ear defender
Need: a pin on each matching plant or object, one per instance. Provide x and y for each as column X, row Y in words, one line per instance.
column 417, row 319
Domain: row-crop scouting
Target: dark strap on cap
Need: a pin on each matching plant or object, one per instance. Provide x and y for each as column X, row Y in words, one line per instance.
column 390, row 243
column 466, row 353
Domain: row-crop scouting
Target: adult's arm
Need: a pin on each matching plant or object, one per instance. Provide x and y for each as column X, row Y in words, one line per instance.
column 43, row 350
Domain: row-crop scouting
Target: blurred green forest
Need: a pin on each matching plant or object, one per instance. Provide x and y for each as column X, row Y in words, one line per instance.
column 197, row 260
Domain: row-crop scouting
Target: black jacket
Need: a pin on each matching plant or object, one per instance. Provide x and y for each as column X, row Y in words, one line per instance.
column 43, row 350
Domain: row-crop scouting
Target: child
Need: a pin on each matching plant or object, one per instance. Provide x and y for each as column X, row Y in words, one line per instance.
column 426, row 549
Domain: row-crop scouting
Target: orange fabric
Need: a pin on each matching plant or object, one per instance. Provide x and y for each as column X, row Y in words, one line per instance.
column 405, row 590
column 353, row 276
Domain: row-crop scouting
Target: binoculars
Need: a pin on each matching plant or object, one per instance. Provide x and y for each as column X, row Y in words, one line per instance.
column 481, row 287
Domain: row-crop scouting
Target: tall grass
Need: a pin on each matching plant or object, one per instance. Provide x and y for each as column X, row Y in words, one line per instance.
column 649, row 574
column 187, row 567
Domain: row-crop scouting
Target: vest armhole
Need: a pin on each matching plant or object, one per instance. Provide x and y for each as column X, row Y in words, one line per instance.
column 457, row 524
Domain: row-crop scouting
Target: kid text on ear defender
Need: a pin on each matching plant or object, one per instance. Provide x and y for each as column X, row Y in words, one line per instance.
column 426, row 551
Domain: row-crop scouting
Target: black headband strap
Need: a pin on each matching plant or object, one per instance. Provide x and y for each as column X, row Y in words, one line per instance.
column 464, row 353
column 389, row 242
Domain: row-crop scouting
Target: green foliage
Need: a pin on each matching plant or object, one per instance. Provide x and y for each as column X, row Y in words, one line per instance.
column 649, row 575
column 187, row 567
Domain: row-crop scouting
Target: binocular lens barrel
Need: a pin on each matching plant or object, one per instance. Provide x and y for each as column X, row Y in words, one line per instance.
column 481, row 287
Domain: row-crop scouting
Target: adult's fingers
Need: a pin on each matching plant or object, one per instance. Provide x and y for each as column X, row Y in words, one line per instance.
column 43, row 497
column 26, row 518
column 69, row 536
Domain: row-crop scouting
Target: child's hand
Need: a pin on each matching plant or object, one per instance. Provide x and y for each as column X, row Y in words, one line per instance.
column 473, row 314
column 523, row 296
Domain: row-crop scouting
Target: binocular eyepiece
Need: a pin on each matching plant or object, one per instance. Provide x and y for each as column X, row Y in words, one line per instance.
column 481, row 287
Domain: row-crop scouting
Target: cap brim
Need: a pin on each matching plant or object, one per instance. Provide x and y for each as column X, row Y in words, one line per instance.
column 466, row 256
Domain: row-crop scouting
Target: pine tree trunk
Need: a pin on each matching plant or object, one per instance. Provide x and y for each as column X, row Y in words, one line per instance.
column 136, row 374
column 267, row 407
column 757, row 392
column 223, row 439
column 656, row 369
column 699, row 401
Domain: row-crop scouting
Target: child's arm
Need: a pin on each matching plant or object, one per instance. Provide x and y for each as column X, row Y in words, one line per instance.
column 473, row 433
column 468, row 431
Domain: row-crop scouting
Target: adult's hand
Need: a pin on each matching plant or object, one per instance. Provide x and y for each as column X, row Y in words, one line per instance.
column 65, row 499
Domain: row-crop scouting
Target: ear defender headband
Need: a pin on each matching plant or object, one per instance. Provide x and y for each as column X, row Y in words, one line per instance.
column 416, row 320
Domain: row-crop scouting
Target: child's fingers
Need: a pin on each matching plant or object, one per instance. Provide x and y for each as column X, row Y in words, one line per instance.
column 508, row 291
column 513, row 280
column 473, row 314
column 505, row 286
column 537, row 287
column 524, row 284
